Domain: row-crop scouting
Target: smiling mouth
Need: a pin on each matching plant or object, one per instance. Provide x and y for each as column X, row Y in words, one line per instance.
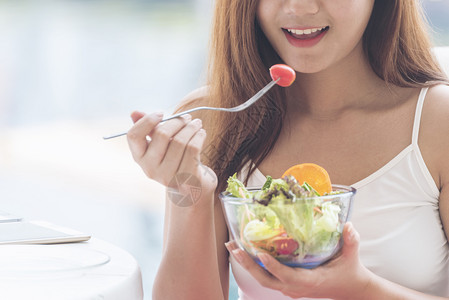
column 304, row 34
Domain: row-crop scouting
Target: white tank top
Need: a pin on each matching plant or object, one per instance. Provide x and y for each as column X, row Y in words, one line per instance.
column 396, row 213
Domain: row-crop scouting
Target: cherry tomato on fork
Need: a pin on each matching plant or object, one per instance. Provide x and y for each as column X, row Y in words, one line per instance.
column 286, row 73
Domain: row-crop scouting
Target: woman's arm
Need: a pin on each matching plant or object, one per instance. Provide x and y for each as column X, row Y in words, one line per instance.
column 191, row 267
column 434, row 144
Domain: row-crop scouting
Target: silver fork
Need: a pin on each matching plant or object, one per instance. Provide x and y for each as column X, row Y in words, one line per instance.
column 237, row 108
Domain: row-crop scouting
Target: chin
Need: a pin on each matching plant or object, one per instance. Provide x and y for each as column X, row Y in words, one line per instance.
column 306, row 65
column 306, row 68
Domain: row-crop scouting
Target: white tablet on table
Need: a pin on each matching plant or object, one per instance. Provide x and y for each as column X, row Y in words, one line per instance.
column 38, row 232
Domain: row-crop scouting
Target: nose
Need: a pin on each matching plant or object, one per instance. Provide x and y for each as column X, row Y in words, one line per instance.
column 302, row 7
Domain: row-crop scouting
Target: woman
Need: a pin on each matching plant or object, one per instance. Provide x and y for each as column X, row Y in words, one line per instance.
column 369, row 104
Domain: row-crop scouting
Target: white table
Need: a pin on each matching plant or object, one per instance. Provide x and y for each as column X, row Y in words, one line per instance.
column 88, row 270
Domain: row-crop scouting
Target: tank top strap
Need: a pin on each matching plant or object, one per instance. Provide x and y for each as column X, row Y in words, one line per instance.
column 418, row 112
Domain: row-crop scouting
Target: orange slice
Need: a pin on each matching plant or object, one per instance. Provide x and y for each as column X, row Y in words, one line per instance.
column 313, row 174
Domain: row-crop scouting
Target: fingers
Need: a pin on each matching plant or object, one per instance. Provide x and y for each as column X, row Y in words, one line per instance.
column 262, row 276
column 280, row 271
column 165, row 135
column 231, row 245
column 270, row 263
column 136, row 116
column 351, row 240
column 174, row 146
column 193, row 150
column 179, row 151
column 143, row 126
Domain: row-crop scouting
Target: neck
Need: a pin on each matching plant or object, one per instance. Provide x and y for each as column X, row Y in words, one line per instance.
column 330, row 93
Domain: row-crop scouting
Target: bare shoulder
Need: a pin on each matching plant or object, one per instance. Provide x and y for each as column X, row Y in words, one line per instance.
column 439, row 92
column 434, row 133
column 436, row 110
column 198, row 97
column 194, row 98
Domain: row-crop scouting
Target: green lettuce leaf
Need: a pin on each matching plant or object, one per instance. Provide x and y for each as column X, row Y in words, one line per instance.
column 236, row 188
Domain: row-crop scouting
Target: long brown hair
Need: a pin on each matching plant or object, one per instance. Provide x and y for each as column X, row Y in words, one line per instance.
column 396, row 42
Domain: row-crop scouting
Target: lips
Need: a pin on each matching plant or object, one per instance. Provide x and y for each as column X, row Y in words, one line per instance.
column 305, row 37
column 306, row 33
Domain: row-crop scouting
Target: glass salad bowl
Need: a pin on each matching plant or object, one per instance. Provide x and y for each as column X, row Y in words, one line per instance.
column 303, row 231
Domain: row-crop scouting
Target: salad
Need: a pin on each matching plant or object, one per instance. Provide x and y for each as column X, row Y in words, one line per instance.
column 287, row 219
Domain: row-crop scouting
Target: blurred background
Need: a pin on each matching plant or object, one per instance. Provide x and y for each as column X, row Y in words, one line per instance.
column 71, row 71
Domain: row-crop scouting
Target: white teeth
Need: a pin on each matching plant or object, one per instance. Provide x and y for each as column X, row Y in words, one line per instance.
column 305, row 31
